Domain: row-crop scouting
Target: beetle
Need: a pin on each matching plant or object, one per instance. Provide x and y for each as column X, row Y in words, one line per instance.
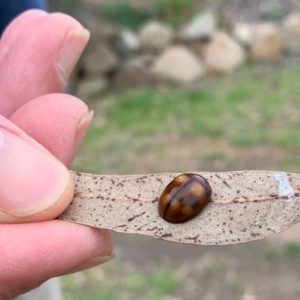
column 184, row 197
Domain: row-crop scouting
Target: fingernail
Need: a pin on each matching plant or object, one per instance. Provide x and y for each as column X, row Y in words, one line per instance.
column 81, row 130
column 87, row 264
column 31, row 180
column 70, row 52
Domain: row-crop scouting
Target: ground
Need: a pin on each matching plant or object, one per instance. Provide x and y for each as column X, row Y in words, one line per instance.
column 249, row 120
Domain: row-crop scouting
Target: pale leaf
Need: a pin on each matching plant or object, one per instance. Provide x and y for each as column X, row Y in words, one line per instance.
column 245, row 206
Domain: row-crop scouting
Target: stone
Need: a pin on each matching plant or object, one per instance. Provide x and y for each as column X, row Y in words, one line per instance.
column 155, row 36
column 244, row 33
column 98, row 60
column 251, row 11
column 198, row 47
column 129, row 40
column 178, row 63
column 202, row 26
column 89, row 87
column 88, row 16
column 133, row 73
column 101, row 30
column 223, row 54
column 291, row 32
column 126, row 44
column 267, row 43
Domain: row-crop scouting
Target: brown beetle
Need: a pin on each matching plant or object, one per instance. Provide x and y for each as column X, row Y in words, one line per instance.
column 184, row 197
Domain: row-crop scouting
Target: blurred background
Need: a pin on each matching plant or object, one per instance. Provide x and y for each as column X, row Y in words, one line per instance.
column 190, row 85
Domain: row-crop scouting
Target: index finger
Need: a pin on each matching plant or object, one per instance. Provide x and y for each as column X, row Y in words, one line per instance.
column 37, row 62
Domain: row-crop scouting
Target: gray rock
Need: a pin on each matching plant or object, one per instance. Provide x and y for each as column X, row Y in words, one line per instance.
column 155, row 36
column 89, row 17
column 251, row 11
column 90, row 87
column 267, row 44
column 101, row 30
column 198, row 47
column 98, row 60
column 202, row 26
column 291, row 32
column 178, row 63
column 223, row 54
column 129, row 39
column 133, row 73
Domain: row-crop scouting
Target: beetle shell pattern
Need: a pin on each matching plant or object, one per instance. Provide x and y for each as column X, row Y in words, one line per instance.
column 184, row 197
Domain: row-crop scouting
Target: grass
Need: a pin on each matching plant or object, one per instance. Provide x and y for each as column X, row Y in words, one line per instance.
column 112, row 282
column 119, row 280
column 150, row 130
column 177, row 12
column 124, row 14
column 245, row 110
column 289, row 250
column 65, row 6
column 173, row 12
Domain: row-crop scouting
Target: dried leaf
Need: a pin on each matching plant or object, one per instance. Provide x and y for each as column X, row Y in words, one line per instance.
column 245, row 206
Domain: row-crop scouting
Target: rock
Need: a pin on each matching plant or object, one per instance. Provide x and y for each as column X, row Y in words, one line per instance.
column 133, row 73
column 126, row 44
column 251, row 11
column 223, row 54
column 88, row 16
column 244, row 33
column 198, row 47
column 101, row 30
column 98, row 60
column 129, row 40
column 291, row 32
column 148, row 59
column 201, row 27
column 267, row 43
column 155, row 36
column 179, row 64
column 90, row 87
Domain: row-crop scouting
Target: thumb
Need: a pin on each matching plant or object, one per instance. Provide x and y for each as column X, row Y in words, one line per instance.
column 34, row 185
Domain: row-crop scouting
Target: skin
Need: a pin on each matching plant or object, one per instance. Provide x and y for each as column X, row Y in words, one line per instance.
column 39, row 121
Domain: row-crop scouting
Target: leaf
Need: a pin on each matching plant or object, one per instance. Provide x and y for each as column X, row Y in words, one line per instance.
column 245, row 206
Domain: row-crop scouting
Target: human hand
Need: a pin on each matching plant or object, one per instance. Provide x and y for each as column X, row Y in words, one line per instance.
column 37, row 54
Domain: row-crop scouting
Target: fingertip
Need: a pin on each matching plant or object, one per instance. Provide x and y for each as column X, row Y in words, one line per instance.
column 45, row 57
column 63, row 117
column 35, row 186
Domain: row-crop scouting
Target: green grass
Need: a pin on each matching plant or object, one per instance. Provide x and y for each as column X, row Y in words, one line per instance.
column 177, row 12
column 245, row 110
column 160, row 283
column 65, row 6
column 288, row 251
column 290, row 163
column 114, row 282
column 238, row 287
column 173, row 12
column 124, row 14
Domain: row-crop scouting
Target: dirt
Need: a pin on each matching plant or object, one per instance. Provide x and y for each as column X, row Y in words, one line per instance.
column 245, row 271
column 228, row 272
column 204, row 154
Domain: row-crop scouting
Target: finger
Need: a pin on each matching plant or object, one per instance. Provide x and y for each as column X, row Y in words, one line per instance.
column 57, row 121
column 37, row 62
column 34, row 185
column 33, row 253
